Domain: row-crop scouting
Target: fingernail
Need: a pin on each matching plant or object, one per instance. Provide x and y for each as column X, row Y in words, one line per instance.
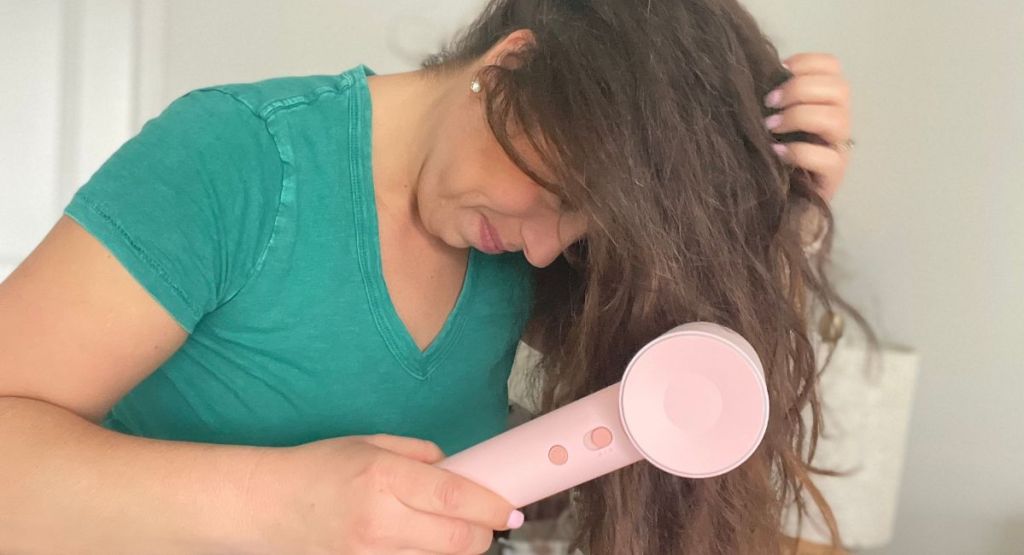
column 787, row 67
column 515, row 519
column 780, row 149
column 772, row 98
column 773, row 121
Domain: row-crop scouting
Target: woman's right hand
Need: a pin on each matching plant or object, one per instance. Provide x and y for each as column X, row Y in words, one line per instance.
column 374, row 494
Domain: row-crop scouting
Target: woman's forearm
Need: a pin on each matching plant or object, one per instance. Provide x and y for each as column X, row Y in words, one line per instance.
column 70, row 486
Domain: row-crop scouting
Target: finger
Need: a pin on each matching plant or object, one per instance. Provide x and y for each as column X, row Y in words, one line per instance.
column 820, row 160
column 434, row 490
column 806, row 63
column 812, row 89
column 429, row 533
column 410, row 447
column 828, row 122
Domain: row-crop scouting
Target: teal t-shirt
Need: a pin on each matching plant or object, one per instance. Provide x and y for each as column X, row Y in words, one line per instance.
column 247, row 211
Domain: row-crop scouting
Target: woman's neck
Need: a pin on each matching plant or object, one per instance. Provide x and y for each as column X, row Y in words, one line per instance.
column 405, row 107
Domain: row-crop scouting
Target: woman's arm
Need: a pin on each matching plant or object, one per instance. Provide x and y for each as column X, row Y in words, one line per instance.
column 76, row 333
column 70, row 486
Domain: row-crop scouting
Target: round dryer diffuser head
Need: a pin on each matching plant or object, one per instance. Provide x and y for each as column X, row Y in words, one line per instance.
column 694, row 400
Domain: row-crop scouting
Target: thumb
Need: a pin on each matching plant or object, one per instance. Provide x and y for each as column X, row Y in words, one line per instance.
column 418, row 449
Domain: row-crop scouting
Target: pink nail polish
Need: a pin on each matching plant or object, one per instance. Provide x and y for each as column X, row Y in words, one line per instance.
column 772, row 99
column 780, row 149
column 773, row 121
column 515, row 519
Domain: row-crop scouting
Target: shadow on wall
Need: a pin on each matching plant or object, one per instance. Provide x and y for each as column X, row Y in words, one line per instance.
column 407, row 36
column 1011, row 535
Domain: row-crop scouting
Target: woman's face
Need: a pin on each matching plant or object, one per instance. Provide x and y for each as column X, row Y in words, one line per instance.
column 471, row 194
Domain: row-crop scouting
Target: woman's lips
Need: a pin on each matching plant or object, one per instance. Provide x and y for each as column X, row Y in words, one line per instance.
column 489, row 239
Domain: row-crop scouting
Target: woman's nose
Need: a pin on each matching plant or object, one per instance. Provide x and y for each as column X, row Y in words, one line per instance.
column 544, row 241
column 540, row 253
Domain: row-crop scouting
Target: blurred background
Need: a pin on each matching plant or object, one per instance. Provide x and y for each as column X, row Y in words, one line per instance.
column 930, row 220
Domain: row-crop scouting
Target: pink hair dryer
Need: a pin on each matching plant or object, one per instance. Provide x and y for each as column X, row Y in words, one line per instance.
column 693, row 402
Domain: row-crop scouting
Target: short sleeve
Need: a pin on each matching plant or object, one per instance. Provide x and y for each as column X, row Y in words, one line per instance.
column 188, row 204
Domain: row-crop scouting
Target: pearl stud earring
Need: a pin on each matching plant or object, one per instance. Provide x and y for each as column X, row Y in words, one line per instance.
column 475, row 85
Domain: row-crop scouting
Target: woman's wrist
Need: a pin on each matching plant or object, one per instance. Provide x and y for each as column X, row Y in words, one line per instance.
column 236, row 506
column 264, row 498
column 228, row 515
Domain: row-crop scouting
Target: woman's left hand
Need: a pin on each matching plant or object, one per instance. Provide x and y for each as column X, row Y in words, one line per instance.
column 815, row 100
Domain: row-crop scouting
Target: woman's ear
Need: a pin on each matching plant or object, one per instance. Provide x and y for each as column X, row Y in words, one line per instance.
column 508, row 52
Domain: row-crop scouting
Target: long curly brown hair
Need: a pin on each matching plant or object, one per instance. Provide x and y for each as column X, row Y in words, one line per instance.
column 650, row 114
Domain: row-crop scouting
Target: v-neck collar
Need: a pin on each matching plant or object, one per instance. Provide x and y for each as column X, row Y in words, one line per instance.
column 418, row 363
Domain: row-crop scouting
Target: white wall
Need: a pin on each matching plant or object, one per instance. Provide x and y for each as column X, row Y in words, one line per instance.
column 68, row 72
column 931, row 241
column 930, row 219
column 230, row 40
column 28, row 149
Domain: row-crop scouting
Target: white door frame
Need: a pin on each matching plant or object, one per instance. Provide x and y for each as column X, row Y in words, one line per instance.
column 110, row 61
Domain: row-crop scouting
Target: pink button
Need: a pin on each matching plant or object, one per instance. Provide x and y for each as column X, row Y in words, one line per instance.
column 558, row 455
column 600, row 437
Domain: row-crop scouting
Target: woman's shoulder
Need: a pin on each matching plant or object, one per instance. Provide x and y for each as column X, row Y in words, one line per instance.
column 266, row 96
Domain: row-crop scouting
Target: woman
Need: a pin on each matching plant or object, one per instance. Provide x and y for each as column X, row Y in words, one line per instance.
column 266, row 315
